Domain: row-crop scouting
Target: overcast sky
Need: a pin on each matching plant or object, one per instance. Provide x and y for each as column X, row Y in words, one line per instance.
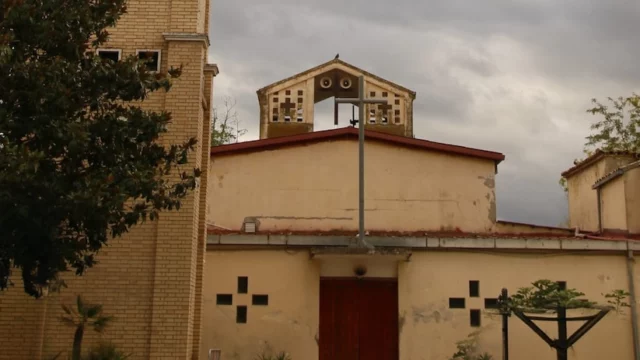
column 511, row 76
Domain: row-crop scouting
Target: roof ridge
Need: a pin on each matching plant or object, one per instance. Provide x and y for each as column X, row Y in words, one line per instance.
column 589, row 160
column 264, row 144
column 344, row 63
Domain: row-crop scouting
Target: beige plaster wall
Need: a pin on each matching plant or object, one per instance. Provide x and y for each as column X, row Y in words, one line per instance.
column 632, row 189
column 290, row 321
column 428, row 328
column 614, row 209
column 583, row 201
column 406, row 189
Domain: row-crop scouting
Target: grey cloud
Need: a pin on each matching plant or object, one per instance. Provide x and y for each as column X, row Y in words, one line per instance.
column 509, row 76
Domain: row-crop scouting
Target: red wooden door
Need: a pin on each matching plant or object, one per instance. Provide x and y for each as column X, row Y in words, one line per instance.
column 358, row 319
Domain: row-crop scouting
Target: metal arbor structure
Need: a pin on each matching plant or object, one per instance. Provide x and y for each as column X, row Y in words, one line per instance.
column 563, row 342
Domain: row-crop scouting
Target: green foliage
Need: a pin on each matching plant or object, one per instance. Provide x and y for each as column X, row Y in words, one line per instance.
column 467, row 349
column 547, row 296
column 279, row 356
column 619, row 128
column 225, row 126
column 105, row 351
column 563, row 184
column 81, row 317
column 617, row 299
column 80, row 160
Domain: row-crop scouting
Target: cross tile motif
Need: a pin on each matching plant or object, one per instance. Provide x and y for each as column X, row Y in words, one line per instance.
column 241, row 310
column 288, row 105
column 385, row 108
column 474, row 292
column 489, row 303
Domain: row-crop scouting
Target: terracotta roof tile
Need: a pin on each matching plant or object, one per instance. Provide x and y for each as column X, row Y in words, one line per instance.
column 351, row 132
column 442, row 234
column 448, row 235
column 592, row 159
column 615, row 173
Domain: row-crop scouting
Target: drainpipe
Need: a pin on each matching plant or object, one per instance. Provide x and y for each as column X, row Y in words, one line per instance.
column 634, row 307
column 599, row 211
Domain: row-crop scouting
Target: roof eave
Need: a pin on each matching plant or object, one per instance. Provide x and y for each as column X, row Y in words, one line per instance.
column 615, row 174
column 266, row 144
column 264, row 89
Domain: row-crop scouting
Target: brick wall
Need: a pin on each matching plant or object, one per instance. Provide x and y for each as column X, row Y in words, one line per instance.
column 202, row 214
column 150, row 278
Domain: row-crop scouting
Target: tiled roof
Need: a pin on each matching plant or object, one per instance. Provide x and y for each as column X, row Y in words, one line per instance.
column 212, row 230
column 616, row 173
column 351, row 132
column 592, row 159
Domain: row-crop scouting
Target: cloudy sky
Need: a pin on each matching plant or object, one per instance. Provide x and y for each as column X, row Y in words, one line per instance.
column 512, row 76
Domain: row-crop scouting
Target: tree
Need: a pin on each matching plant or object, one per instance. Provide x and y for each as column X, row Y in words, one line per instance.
column 80, row 158
column 546, row 296
column 82, row 317
column 225, row 126
column 617, row 131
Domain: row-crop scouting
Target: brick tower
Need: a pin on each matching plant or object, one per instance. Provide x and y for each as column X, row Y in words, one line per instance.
column 150, row 279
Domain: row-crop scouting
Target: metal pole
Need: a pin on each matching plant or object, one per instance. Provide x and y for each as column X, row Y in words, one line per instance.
column 361, row 125
column 562, row 333
column 505, row 326
column 361, row 101
column 634, row 305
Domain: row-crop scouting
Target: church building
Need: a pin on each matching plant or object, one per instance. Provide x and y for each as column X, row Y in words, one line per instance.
column 284, row 271
column 264, row 257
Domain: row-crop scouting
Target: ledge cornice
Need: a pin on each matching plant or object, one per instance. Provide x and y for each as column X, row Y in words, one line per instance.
column 174, row 36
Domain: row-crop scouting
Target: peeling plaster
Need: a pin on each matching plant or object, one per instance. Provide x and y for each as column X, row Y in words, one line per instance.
column 427, row 315
column 489, row 182
column 402, row 318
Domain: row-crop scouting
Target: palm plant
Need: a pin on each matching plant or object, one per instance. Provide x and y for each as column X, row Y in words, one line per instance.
column 106, row 351
column 468, row 349
column 280, row 356
column 83, row 316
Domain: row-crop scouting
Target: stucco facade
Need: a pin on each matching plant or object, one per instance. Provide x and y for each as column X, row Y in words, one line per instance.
column 613, row 205
column 315, row 188
column 428, row 327
column 632, row 190
column 583, row 197
column 149, row 279
column 430, row 216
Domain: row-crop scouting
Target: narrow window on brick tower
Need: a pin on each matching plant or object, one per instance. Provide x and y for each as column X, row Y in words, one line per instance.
column 151, row 57
column 109, row 54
